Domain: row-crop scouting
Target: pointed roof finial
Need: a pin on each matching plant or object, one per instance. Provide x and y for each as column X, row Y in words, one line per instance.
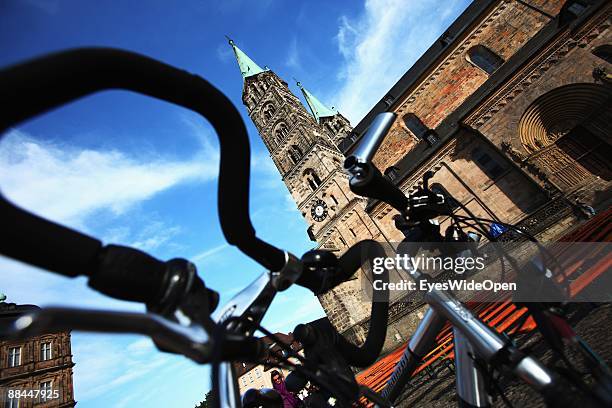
column 316, row 107
column 247, row 66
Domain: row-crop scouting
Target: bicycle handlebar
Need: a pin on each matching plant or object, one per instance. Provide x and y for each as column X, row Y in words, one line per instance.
column 366, row 180
column 364, row 153
column 37, row 86
column 192, row 341
column 377, row 331
column 353, row 259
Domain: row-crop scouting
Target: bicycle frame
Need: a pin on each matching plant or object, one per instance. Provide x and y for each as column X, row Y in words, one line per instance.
column 473, row 340
column 252, row 303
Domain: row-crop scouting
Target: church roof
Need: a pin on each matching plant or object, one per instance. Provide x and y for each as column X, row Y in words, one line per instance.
column 316, row 107
column 248, row 67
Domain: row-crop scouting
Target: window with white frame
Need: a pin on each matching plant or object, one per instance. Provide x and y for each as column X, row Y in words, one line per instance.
column 14, row 356
column 45, row 351
column 257, row 372
column 45, row 390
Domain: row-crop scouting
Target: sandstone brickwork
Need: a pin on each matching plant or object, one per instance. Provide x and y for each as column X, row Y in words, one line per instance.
column 33, row 368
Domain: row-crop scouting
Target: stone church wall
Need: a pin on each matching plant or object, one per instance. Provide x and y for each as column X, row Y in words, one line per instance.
column 568, row 60
column 504, row 30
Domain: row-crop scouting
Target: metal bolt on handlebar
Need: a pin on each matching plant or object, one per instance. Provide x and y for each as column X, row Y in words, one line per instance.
column 288, row 275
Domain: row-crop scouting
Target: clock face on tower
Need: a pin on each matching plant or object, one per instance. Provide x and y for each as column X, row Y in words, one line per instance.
column 318, row 210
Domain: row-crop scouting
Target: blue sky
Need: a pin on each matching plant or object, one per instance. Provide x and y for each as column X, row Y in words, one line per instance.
column 139, row 172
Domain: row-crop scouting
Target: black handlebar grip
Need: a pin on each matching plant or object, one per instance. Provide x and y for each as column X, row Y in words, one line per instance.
column 320, row 270
column 367, row 181
column 352, row 260
column 344, row 269
column 45, row 244
column 129, row 274
column 239, row 348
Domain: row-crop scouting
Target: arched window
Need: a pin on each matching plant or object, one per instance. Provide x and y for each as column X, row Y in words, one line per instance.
column 281, row 131
column 484, row 58
column 415, row 125
column 296, row 149
column 604, row 52
column 312, row 179
column 269, row 110
column 293, row 158
column 295, row 153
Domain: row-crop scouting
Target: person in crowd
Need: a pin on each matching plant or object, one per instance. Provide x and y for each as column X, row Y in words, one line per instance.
column 278, row 383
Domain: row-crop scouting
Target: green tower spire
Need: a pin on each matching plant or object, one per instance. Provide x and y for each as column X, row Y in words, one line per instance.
column 316, row 107
column 248, row 67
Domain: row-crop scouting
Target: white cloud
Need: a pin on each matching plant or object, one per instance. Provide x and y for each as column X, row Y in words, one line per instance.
column 154, row 235
column 103, row 363
column 208, row 253
column 73, row 185
column 347, row 35
column 224, row 52
column 293, row 55
column 68, row 184
column 126, row 371
column 380, row 46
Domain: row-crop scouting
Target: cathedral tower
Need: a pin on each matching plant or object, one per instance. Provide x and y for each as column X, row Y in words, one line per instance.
column 304, row 149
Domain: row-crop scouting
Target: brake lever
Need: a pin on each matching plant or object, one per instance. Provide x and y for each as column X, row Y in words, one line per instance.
column 191, row 341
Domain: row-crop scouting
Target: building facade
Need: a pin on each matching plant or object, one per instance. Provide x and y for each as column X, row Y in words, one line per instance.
column 511, row 109
column 41, row 363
